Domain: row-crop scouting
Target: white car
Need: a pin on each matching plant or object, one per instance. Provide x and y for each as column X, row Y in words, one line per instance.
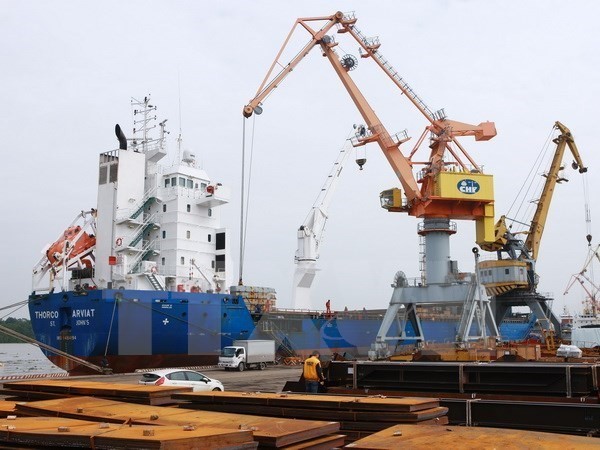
column 181, row 377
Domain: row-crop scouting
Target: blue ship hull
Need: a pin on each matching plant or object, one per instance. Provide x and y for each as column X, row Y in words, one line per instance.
column 127, row 330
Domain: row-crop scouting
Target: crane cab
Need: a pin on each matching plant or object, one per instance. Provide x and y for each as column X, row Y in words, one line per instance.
column 503, row 275
column 391, row 199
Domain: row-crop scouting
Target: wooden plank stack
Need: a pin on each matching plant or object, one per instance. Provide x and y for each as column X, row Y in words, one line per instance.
column 358, row 416
column 51, row 389
column 266, row 431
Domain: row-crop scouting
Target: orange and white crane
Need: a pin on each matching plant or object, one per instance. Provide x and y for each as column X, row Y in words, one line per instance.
column 448, row 184
column 445, row 191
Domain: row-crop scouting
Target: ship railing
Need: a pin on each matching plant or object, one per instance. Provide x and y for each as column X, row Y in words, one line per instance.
column 133, row 238
column 351, row 314
column 127, row 213
column 180, row 191
column 415, row 282
column 149, row 247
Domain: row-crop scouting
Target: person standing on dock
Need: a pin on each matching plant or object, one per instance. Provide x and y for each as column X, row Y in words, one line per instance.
column 313, row 373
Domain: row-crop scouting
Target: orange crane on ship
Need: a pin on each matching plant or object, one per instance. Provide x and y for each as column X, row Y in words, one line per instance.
column 449, row 184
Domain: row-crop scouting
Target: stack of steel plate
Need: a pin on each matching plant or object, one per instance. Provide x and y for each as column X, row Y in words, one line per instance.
column 50, row 389
column 40, row 432
column 410, row 436
column 266, row 431
column 358, row 416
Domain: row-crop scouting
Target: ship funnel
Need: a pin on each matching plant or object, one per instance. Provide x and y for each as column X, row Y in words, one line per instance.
column 121, row 137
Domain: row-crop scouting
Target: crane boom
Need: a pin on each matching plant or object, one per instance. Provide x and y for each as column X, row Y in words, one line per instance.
column 310, row 235
column 465, row 193
column 538, row 222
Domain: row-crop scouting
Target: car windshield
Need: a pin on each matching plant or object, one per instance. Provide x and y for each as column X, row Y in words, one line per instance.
column 228, row 351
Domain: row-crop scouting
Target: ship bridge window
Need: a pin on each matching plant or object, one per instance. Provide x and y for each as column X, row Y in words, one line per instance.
column 174, row 181
column 220, row 263
column 220, row 243
column 181, row 181
column 203, row 186
column 190, row 184
column 189, row 208
column 167, row 182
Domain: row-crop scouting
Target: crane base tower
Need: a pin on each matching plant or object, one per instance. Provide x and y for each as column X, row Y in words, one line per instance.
column 441, row 285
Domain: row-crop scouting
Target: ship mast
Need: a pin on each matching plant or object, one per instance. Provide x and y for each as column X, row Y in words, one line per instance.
column 141, row 127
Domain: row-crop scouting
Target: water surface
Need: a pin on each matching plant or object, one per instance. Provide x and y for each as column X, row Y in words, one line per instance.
column 24, row 359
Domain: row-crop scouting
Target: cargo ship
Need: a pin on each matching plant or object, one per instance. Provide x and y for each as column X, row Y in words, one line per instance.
column 144, row 279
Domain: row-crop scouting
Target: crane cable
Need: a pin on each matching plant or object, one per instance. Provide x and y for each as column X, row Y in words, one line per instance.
column 591, row 251
column 588, row 214
column 526, row 187
column 245, row 198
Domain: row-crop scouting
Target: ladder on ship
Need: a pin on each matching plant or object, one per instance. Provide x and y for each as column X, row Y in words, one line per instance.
column 279, row 337
column 155, row 282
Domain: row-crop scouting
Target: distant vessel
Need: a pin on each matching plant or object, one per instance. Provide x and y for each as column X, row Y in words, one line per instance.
column 142, row 280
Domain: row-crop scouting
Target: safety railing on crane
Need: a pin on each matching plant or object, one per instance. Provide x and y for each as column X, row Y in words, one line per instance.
column 373, row 44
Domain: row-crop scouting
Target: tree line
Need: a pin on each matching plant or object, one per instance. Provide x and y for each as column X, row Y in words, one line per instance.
column 22, row 326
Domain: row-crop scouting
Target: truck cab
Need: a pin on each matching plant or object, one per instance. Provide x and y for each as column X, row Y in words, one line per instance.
column 233, row 358
column 247, row 354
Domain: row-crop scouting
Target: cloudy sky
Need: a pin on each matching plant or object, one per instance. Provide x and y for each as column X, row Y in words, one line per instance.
column 70, row 68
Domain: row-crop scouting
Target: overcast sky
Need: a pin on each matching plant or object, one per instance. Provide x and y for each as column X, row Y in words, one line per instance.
column 69, row 69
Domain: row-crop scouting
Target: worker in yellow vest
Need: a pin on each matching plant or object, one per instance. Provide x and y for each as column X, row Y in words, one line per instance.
column 313, row 373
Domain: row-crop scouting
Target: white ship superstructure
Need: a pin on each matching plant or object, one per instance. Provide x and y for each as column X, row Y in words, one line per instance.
column 157, row 227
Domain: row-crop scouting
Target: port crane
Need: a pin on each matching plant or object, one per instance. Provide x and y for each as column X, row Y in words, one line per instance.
column 585, row 278
column 448, row 185
column 439, row 196
column 512, row 280
column 311, row 232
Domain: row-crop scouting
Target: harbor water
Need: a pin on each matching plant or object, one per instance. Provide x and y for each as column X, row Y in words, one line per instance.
column 24, row 360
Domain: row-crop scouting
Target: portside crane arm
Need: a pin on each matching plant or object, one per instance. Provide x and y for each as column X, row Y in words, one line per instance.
column 400, row 164
column 265, row 89
column 466, row 194
column 536, row 230
column 402, row 167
